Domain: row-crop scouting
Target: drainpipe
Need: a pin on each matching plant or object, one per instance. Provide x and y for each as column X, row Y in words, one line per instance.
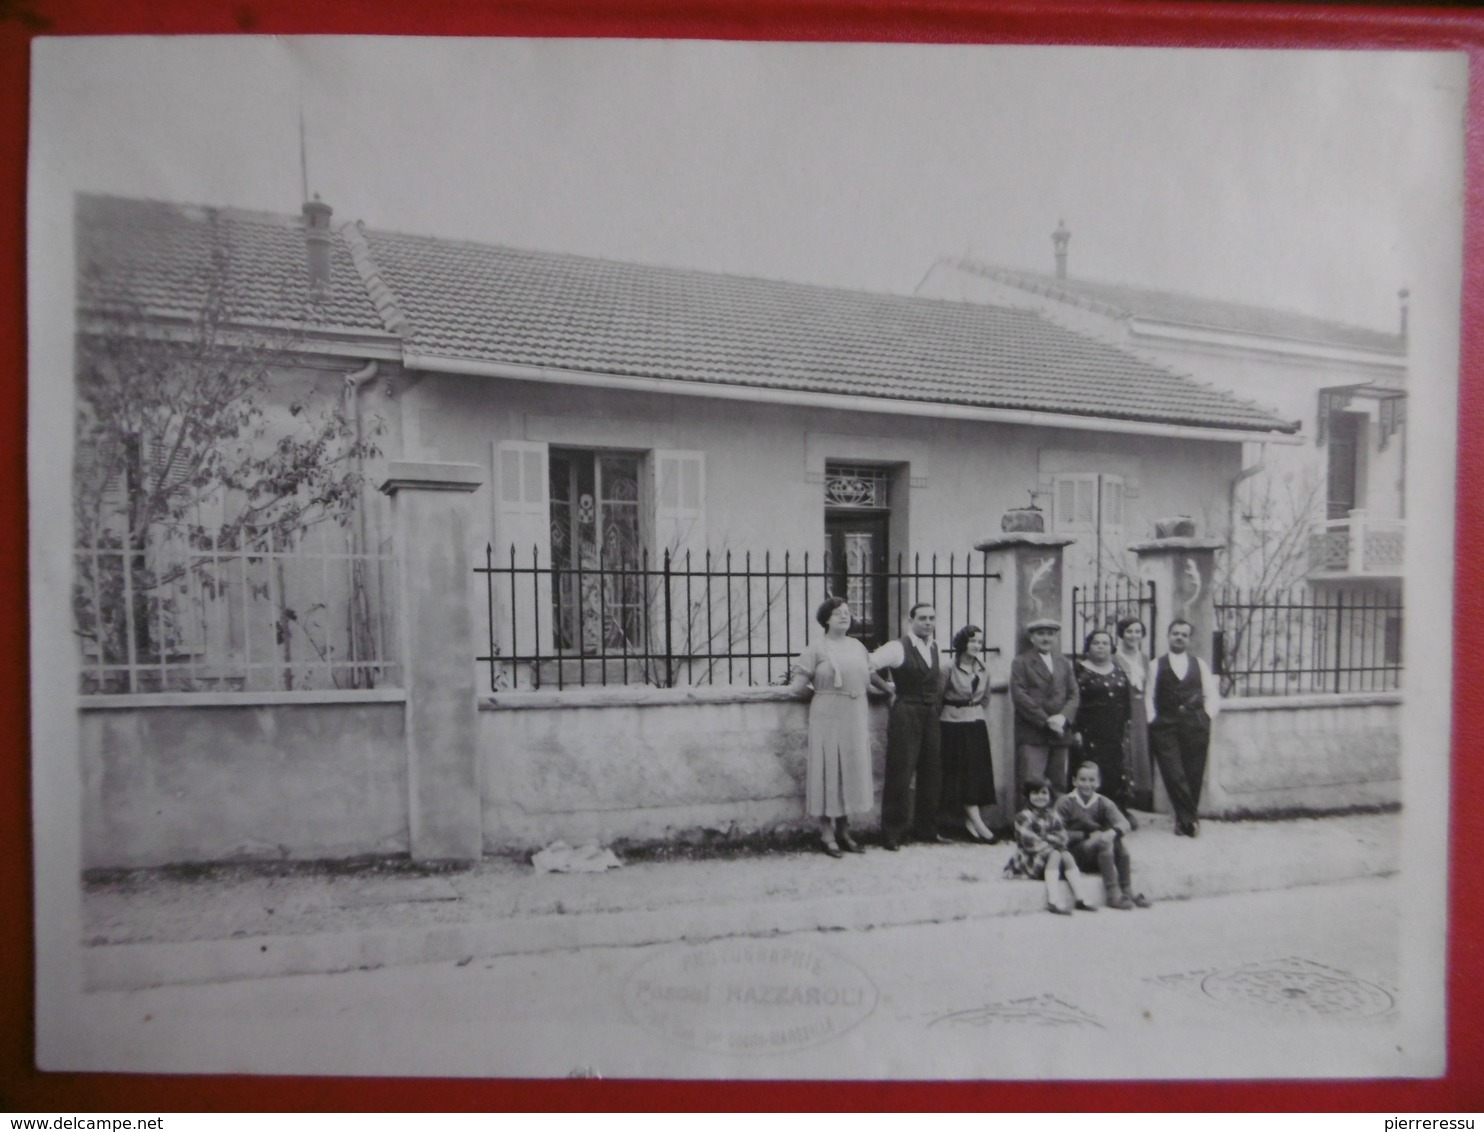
column 354, row 383
column 1231, row 513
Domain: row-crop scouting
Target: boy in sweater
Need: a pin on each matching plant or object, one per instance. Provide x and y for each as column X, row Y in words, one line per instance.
column 1095, row 832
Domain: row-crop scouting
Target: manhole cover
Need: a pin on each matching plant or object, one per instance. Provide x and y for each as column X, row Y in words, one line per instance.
column 1298, row 987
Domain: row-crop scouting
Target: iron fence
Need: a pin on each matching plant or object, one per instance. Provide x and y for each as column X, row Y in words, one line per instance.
column 707, row 619
column 1103, row 605
column 1303, row 641
column 254, row 616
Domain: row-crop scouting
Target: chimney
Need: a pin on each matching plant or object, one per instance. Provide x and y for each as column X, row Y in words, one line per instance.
column 1061, row 238
column 1403, row 295
column 317, row 245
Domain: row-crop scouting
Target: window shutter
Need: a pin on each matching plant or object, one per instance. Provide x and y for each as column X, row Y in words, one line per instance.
column 679, row 496
column 522, row 523
column 1075, row 503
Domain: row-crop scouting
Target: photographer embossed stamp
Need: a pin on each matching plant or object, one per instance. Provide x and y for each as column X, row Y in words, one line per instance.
column 742, row 996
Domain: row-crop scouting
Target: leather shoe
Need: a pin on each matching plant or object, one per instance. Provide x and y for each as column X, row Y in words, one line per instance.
column 1055, row 911
column 850, row 844
column 1084, row 906
column 831, row 849
column 934, row 839
column 1194, row 829
column 1140, row 900
column 890, row 844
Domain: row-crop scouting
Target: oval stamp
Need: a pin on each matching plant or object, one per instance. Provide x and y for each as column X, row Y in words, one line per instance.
column 741, row 996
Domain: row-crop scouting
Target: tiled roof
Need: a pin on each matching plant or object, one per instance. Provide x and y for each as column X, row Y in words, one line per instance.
column 1192, row 310
column 496, row 304
column 470, row 302
column 167, row 257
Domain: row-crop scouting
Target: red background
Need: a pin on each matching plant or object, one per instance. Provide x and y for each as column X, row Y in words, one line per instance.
column 957, row 21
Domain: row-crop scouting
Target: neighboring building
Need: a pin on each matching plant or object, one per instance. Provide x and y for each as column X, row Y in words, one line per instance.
column 1331, row 512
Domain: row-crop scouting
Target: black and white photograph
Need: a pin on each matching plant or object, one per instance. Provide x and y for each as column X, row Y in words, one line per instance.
column 715, row 560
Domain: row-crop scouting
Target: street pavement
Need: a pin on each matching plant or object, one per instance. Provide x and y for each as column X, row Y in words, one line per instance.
column 155, row 928
column 1300, row 982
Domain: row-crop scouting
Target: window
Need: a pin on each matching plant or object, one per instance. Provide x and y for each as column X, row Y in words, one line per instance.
column 596, row 549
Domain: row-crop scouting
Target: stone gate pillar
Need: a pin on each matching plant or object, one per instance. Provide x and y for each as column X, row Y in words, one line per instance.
column 1029, row 564
column 431, row 518
column 1183, row 570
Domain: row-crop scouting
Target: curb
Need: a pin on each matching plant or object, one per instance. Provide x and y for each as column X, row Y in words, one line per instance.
column 137, row 966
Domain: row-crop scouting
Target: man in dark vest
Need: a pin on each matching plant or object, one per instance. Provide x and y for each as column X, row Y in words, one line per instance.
column 1181, row 699
column 912, row 735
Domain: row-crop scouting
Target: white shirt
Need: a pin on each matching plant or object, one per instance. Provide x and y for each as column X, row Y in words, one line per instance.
column 1180, row 665
column 1048, row 662
column 890, row 655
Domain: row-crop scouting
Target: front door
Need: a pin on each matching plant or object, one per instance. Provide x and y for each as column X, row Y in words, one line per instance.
column 858, row 570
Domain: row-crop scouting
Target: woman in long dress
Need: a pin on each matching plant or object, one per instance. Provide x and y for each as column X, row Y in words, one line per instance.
column 1135, row 664
column 838, row 774
column 1103, row 713
column 968, row 774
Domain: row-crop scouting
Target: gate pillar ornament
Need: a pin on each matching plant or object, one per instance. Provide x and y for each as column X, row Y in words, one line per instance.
column 431, row 517
column 1183, row 570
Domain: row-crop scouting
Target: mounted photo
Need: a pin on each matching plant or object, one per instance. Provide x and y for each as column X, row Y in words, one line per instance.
column 680, row 559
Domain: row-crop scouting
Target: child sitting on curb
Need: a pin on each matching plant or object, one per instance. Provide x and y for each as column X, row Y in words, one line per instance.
column 1041, row 849
column 1095, row 831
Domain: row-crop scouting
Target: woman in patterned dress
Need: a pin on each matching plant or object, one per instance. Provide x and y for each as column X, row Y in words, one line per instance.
column 1102, row 717
column 838, row 779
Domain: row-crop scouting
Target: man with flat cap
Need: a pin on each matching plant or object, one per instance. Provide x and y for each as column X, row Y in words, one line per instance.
column 1043, row 688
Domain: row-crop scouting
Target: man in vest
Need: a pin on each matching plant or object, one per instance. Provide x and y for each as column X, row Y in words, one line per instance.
column 912, row 735
column 1181, row 699
column 1043, row 691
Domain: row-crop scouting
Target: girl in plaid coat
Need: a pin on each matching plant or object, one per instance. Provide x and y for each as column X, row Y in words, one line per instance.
column 1041, row 851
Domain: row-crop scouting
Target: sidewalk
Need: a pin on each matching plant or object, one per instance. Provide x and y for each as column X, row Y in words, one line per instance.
column 150, row 930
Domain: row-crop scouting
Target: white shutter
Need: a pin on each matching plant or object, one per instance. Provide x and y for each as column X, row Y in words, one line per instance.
column 522, row 523
column 679, row 503
column 1074, row 507
column 1113, row 543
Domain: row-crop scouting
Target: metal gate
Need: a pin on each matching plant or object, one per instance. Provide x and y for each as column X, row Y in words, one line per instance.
column 1102, row 606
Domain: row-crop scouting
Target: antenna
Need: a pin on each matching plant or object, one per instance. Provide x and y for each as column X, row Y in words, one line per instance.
column 303, row 160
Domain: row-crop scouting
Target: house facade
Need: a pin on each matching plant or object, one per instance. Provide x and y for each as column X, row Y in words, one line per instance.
column 611, row 497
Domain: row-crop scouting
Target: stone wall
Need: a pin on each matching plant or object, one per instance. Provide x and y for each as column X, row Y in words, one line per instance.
column 165, row 783
column 1278, row 754
column 608, row 764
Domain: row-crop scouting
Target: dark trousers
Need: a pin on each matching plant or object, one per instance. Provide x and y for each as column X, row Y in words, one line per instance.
column 1111, row 860
column 913, row 743
column 1179, row 746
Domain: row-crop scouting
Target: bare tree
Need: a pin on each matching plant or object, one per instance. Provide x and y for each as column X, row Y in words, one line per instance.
column 195, row 436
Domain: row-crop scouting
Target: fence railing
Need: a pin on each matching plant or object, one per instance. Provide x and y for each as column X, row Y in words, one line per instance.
column 1303, row 641
column 254, row 617
column 697, row 619
column 1104, row 604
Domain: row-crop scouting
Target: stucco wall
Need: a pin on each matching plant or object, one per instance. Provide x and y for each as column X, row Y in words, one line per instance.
column 165, row 784
column 759, row 492
column 1276, row 754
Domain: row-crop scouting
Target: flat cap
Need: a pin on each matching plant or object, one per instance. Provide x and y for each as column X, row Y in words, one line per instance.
column 1043, row 623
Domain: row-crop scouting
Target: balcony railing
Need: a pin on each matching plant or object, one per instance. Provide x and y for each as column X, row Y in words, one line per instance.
column 1358, row 547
